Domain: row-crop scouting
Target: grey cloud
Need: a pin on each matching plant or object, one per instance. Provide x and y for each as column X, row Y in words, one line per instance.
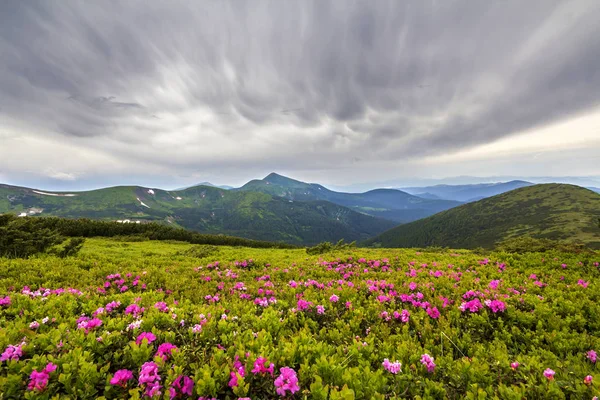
column 326, row 79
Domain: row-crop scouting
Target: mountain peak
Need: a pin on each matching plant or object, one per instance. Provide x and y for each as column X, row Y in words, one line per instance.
column 275, row 178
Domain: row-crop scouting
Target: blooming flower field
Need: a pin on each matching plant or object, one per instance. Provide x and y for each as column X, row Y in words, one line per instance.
column 135, row 320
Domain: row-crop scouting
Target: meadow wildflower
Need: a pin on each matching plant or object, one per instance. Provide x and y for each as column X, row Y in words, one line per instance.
column 287, row 381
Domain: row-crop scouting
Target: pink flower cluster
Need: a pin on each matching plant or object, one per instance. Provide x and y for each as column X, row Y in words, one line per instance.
column 88, row 324
column 393, row 367
column 39, row 380
column 583, row 283
column 427, row 361
column 303, row 305
column 113, row 305
column 496, row 305
column 404, row 316
column 471, row 306
column 433, row 312
column 148, row 336
column 592, row 356
column 161, row 306
column 121, row 377
column 165, row 350
column 134, row 310
column 5, row 301
column 183, row 385
column 549, row 374
column 239, row 370
column 260, row 367
column 149, row 379
column 12, row 352
column 287, row 381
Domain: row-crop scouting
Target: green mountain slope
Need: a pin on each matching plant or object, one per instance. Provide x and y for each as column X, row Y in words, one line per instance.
column 204, row 209
column 391, row 204
column 553, row 211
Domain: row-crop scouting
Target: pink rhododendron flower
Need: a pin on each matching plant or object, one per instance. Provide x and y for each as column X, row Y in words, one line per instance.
column 303, row 305
column 287, row 381
column 583, row 283
column 433, row 312
column 588, row 380
column 394, row 367
column 334, row 298
column 496, row 305
column 148, row 336
column 183, row 385
column 134, row 310
column 165, row 350
column 427, row 361
column 472, row 306
column 34, row 325
column 239, row 371
column 5, row 301
column 39, row 380
column 320, row 309
column 549, row 374
column 592, row 356
column 149, row 379
column 161, row 306
column 260, row 367
column 12, row 352
column 121, row 377
column 514, row 365
column 494, row 284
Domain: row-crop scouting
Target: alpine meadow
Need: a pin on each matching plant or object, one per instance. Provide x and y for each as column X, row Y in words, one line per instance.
column 309, row 199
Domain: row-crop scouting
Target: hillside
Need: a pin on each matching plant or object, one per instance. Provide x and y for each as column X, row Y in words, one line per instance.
column 466, row 193
column 392, row 204
column 553, row 211
column 203, row 209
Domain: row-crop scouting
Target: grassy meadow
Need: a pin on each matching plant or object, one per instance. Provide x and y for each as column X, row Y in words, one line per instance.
column 160, row 319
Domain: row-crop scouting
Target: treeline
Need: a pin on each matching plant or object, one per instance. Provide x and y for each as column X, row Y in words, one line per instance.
column 21, row 237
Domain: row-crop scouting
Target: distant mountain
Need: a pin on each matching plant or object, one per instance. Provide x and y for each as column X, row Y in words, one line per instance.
column 226, row 187
column 594, row 189
column 553, row 211
column 392, row 204
column 466, row 193
column 429, row 196
column 204, row 209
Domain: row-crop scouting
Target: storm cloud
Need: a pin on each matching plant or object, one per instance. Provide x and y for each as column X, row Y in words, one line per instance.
column 172, row 91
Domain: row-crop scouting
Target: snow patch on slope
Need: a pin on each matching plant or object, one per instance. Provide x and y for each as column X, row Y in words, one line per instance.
column 142, row 203
column 55, row 194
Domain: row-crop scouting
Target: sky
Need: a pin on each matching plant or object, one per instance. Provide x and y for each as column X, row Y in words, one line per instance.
column 171, row 93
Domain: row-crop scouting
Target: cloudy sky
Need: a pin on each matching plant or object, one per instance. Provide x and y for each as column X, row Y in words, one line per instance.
column 168, row 93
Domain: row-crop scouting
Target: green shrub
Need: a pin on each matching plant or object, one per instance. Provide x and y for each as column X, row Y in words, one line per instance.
column 327, row 247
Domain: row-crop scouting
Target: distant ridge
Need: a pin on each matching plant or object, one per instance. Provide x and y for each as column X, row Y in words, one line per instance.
column 553, row 211
column 226, row 187
column 391, row 204
column 467, row 193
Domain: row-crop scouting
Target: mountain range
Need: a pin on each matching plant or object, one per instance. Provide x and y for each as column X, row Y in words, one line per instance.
column 466, row 193
column 391, row 204
column 553, row 211
column 278, row 208
column 205, row 209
